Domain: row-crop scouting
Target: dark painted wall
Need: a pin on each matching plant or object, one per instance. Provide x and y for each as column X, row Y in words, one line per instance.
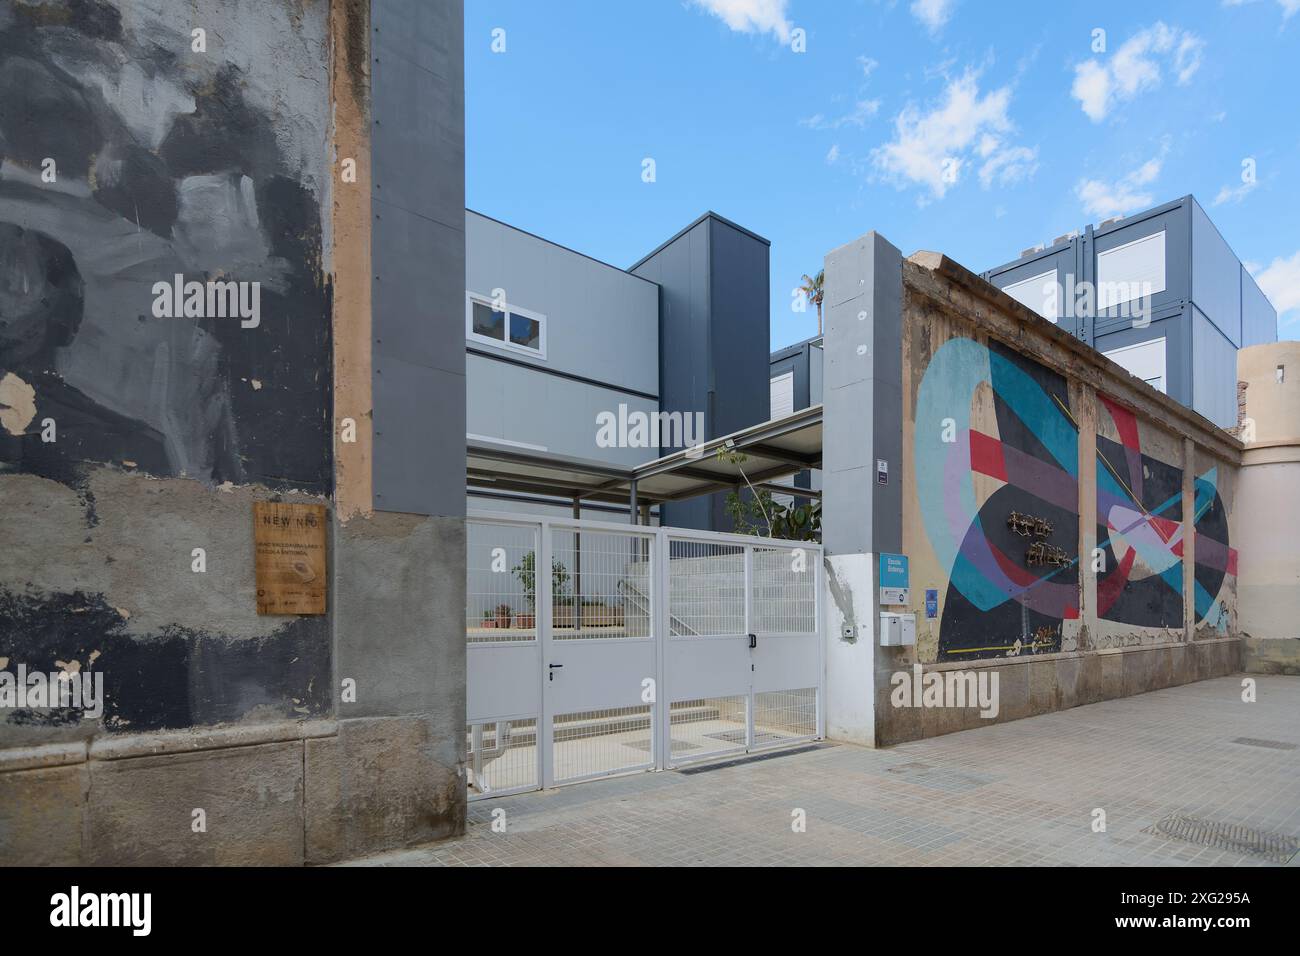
column 197, row 182
column 128, row 157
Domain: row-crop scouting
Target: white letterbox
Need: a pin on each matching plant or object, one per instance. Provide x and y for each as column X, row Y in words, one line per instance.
column 897, row 630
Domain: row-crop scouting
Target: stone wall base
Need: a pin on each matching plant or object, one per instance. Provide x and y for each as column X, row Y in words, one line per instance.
column 271, row 795
column 1261, row 655
column 1031, row 686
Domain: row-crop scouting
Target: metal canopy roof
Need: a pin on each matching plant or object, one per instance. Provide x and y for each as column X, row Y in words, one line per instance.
column 773, row 450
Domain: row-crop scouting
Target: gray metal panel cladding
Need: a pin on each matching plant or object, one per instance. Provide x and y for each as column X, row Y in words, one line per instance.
column 1258, row 317
column 1176, row 330
column 418, row 255
column 796, row 363
column 739, row 327
column 681, row 268
column 739, row 335
column 1216, row 277
column 863, row 397
column 602, row 322
column 1214, row 376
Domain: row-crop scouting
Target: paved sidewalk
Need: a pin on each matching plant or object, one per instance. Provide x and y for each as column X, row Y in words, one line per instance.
column 1017, row 793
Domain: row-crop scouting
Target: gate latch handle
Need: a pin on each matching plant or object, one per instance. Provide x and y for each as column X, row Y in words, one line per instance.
column 551, row 674
column 753, row 641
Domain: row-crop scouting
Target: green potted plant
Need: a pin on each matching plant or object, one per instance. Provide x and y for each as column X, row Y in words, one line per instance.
column 526, row 572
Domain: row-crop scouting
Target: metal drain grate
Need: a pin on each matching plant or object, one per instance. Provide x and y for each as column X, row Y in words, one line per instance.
column 752, row 758
column 1277, row 847
column 738, row 737
column 1270, row 744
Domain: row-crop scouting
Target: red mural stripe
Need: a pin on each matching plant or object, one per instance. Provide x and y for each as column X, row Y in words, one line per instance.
column 1109, row 587
column 986, row 455
column 1018, row 575
column 1166, row 528
column 1125, row 422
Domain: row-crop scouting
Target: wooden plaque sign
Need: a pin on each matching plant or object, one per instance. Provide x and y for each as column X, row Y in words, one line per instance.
column 291, row 547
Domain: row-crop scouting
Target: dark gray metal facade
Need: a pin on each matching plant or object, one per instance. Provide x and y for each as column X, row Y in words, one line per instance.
column 803, row 361
column 713, row 337
column 418, row 255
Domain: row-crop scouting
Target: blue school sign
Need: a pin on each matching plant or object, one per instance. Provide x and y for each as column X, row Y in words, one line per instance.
column 893, row 578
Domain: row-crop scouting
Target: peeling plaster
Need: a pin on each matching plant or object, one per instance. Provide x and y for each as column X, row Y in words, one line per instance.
column 17, row 404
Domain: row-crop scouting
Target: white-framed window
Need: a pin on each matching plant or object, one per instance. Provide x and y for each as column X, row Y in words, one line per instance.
column 1042, row 293
column 1131, row 271
column 1146, row 360
column 504, row 326
column 781, row 402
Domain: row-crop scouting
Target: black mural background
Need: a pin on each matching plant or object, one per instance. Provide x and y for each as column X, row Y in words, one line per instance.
column 966, row 630
column 207, row 421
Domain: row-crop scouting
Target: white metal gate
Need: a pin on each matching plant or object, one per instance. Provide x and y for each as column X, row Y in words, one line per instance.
column 596, row 648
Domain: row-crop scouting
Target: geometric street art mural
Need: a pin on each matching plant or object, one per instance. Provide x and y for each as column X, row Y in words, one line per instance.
column 995, row 461
column 1140, row 527
column 996, row 465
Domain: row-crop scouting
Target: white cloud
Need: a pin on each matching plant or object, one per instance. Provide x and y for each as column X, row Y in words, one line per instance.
column 1289, row 7
column 1135, row 68
column 1005, row 167
column 833, row 154
column 863, row 110
column 1105, row 200
column 1234, row 193
column 932, row 148
column 868, row 64
column 1281, row 283
column 933, row 13
column 752, row 16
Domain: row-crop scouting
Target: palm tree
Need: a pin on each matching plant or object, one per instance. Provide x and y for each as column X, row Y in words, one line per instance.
column 812, row 289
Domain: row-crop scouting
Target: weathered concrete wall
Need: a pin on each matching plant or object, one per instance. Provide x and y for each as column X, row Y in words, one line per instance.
column 1072, row 525
column 1269, row 527
column 131, row 152
column 1061, row 510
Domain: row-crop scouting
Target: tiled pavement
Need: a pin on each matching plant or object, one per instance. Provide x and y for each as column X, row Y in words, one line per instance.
column 1016, row 793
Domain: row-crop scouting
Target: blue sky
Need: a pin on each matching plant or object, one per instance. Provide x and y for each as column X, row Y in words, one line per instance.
column 974, row 129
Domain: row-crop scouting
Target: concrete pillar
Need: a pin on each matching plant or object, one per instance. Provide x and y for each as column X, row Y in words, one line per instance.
column 1189, row 540
column 1084, row 398
column 861, row 517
